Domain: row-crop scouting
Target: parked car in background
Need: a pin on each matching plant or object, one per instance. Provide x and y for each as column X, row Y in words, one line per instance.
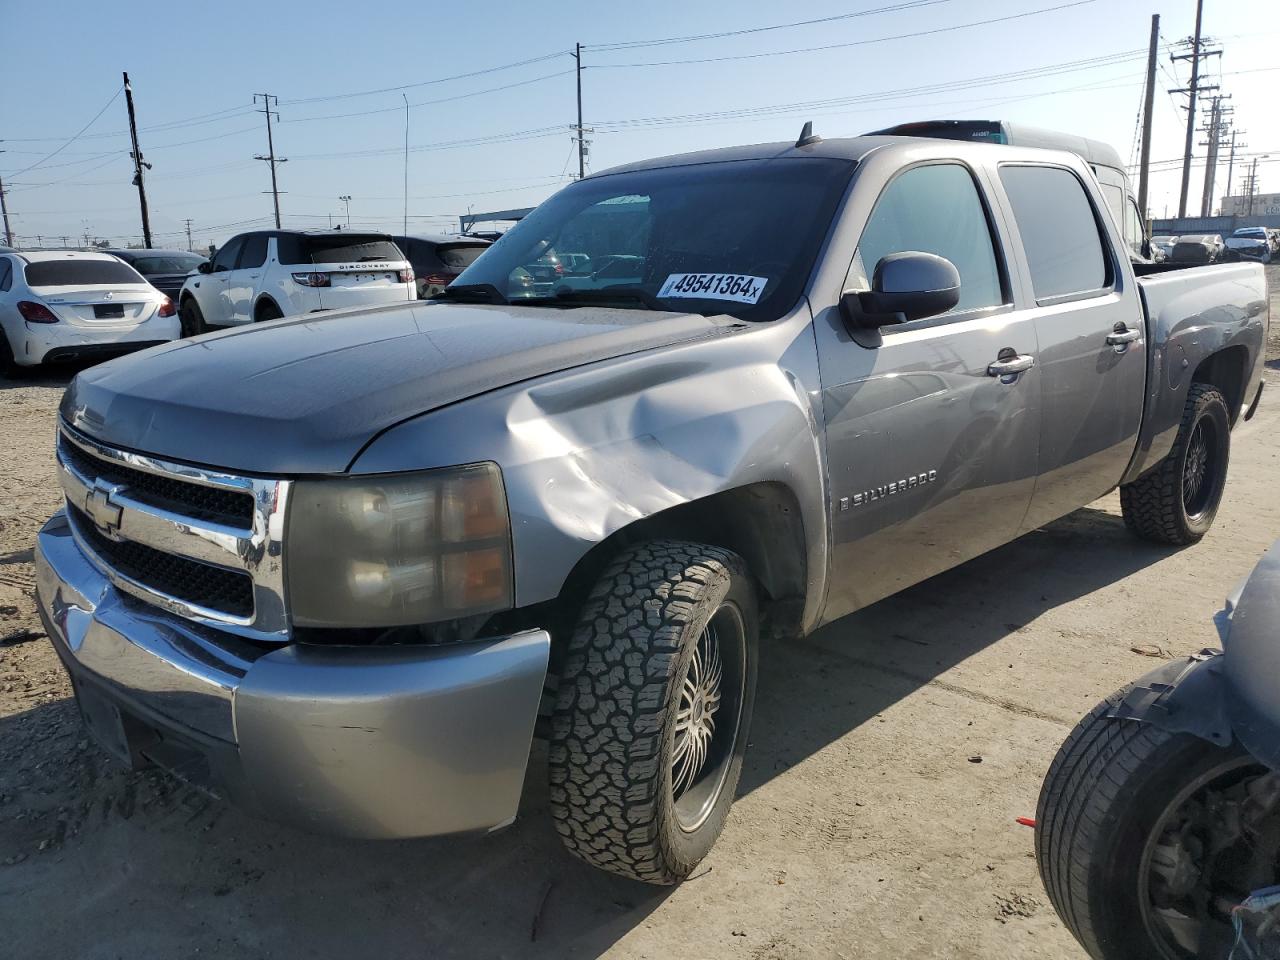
column 166, row 270
column 1249, row 243
column 1162, row 248
column 1193, row 249
column 437, row 260
column 60, row 305
column 270, row 274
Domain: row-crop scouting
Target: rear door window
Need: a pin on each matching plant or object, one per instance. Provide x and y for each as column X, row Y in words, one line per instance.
column 254, row 252
column 1059, row 229
column 74, row 273
column 933, row 209
column 6, row 275
column 347, row 248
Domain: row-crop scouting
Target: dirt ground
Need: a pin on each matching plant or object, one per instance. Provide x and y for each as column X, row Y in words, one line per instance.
column 891, row 753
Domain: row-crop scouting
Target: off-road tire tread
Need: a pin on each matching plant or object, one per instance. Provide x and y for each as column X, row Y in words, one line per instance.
column 1152, row 504
column 610, row 718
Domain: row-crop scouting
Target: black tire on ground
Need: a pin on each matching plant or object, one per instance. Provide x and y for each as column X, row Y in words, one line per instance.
column 1102, row 799
column 1169, row 504
column 267, row 310
column 190, row 319
column 7, row 365
column 632, row 791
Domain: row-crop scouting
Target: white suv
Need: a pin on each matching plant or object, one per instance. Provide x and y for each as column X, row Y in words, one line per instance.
column 281, row 273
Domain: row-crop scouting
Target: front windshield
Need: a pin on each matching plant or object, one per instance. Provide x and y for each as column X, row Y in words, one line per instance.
column 737, row 238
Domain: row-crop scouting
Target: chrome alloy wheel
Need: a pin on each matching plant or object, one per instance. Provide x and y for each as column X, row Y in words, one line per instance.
column 708, row 717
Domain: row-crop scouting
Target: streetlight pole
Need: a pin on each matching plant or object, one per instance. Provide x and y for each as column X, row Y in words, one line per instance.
column 346, row 199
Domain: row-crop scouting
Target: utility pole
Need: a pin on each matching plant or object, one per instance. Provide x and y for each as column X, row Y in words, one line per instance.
column 138, row 164
column 579, row 128
column 1215, row 133
column 8, row 234
column 1144, row 171
column 346, row 199
column 1231, row 164
column 187, row 221
column 1195, row 56
column 1253, row 185
column 267, row 101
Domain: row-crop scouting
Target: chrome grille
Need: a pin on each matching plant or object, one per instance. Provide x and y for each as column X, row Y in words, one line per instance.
column 201, row 544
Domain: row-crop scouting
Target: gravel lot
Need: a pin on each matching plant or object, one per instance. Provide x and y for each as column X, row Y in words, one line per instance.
column 891, row 753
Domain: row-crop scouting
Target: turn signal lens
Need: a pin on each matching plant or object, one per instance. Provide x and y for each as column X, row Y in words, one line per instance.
column 167, row 309
column 311, row 279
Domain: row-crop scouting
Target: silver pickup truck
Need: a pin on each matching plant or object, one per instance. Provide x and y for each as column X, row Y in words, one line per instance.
column 341, row 567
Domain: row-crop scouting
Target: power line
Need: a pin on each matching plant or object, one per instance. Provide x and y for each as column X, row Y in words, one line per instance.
column 1016, row 76
column 849, row 43
column 426, row 103
column 427, row 83
column 73, row 138
column 634, row 44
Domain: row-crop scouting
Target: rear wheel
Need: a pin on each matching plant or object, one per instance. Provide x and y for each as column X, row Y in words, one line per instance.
column 654, row 704
column 1177, row 501
column 191, row 319
column 1146, row 840
column 267, row 310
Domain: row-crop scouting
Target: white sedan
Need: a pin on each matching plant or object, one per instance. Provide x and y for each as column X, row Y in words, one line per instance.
column 58, row 305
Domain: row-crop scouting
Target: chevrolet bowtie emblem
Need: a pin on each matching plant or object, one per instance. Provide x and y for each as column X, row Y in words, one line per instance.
column 104, row 512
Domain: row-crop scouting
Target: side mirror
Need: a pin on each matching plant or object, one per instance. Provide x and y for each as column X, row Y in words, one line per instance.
column 206, row 267
column 905, row 286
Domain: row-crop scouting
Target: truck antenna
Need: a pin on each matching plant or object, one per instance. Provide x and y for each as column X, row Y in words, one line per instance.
column 807, row 136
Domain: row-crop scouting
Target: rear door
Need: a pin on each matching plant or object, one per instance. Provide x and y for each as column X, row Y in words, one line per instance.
column 245, row 280
column 931, row 458
column 1089, row 324
column 211, row 289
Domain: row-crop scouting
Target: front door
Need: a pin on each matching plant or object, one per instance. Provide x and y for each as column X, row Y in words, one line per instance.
column 211, row 289
column 246, row 278
column 1093, row 359
column 931, row 457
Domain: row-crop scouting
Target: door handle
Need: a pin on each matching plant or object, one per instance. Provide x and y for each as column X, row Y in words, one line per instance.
column 1007, row 366
column 1122, row 335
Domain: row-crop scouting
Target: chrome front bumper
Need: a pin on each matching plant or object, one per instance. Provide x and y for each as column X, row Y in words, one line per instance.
column 354, row 741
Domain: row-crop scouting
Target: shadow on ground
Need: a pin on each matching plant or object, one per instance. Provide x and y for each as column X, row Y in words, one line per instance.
column 159, row 867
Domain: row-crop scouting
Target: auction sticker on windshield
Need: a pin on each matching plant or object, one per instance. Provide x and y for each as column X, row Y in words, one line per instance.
column 714, row 286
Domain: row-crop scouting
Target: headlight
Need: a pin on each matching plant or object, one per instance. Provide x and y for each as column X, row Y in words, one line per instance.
column 399, row 549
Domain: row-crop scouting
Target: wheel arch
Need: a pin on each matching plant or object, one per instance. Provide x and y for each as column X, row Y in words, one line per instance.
column 264, row 298
column 1227, row 370
column 761, row 522
column 1182, row 696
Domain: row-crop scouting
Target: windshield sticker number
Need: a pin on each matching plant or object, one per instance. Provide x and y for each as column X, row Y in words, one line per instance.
column 713, row 286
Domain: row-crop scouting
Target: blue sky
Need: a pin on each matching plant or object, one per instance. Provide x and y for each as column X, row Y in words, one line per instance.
column 194, row 73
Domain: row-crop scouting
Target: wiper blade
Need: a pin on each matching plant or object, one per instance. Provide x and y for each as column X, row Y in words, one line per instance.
column 607, row 295
column 472, row 293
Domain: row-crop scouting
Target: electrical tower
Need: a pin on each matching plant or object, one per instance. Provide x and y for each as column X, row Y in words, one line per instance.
column 267, row 102
column 187, row 221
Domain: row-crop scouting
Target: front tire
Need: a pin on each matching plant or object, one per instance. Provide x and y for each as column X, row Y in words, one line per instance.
column 1178, row 500
column 1130, row 844
column 654, row 704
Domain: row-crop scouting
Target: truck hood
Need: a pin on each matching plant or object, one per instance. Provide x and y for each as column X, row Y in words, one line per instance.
column 304, row 395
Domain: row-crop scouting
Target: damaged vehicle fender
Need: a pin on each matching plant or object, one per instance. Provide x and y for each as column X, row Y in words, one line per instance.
column 599, row 449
